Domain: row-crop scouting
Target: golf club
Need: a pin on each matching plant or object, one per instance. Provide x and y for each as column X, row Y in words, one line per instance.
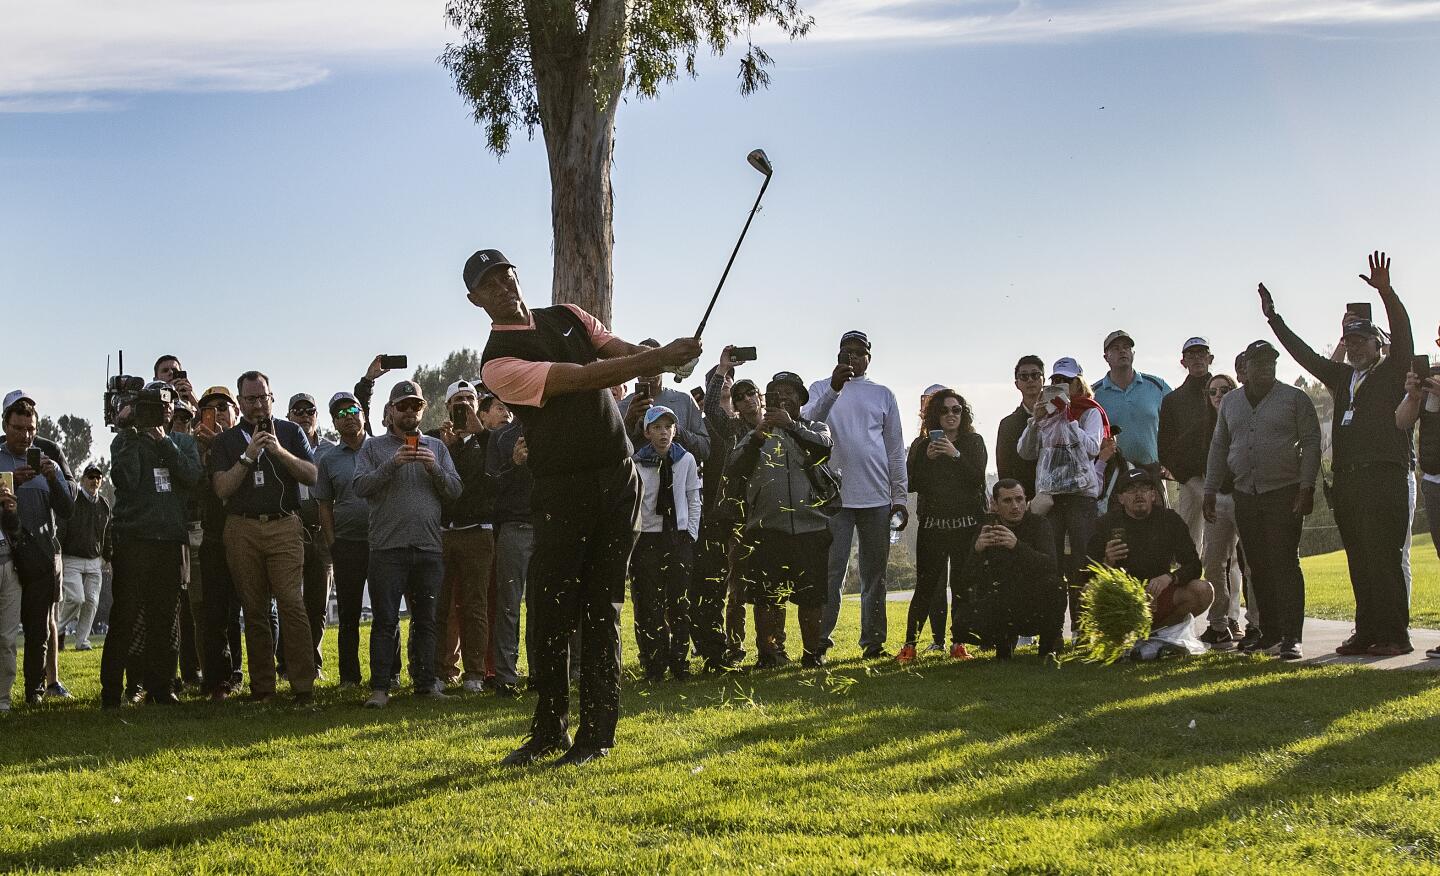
column 760, row 162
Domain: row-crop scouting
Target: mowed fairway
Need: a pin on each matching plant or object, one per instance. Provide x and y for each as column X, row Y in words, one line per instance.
column 1209, row 764
column 1328, row 593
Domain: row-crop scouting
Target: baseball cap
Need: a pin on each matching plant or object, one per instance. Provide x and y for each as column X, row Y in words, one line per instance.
column 740, row 386
column 15, row 396
column 217, row 392
column 480, row 263
column 342, row 399
column 856, row 336
column 1115, row 336
column 93, row 471
column 1196, row 341
column 300, row 397
column 655, row 412
column 934, row 388
column 1261, row 350
column 1067, row 367
column 1135, row 477
column 1362, row 327
column 460, row 386
column 790, row 378
column 405, row 389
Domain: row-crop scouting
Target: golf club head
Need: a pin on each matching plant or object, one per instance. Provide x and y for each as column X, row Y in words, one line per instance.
column 758, row 161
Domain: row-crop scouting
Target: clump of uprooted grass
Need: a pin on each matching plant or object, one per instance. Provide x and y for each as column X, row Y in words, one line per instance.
column 1115, row 614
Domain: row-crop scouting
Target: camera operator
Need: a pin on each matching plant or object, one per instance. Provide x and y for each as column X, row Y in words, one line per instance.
column 43, row 494
column 258, row 467
column 316, row 578
column 154, row 474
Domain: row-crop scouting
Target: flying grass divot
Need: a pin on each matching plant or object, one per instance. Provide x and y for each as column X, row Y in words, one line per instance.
column 1114, row 615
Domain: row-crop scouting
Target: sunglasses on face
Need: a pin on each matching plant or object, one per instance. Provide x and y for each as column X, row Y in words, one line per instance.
column 303, row 412
column 1220, row 390
column 408, row 407
column 351, row 411
column 951, row 409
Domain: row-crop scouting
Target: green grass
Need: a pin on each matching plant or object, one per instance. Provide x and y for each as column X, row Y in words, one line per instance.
column 1208, row 764
column 1328, row 593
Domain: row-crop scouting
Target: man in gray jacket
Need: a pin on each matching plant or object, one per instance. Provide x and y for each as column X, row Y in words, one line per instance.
column 405, row 476
column 786, row 539
column 1268, row 438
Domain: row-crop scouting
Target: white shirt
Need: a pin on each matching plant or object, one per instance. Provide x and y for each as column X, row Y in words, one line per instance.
column 864, row 420
column 685, row 477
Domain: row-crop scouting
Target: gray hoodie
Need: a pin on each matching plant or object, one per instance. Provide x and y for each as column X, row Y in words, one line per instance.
column 779, row 494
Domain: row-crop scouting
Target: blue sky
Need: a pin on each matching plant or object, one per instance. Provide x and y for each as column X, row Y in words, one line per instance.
column 233, row 189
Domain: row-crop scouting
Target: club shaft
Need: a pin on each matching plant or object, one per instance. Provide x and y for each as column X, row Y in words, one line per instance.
column 736, row 251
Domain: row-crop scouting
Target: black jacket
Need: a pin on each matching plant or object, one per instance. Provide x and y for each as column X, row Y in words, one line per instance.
column 82, row 534
column 1187, row 422
column 1158, row 544
column 477, row 497
column 1031, row 563
column 1008, row 461
column 948, row 487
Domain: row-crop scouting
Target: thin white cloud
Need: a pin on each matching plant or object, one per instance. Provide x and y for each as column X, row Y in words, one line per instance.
column 82, row 55
column 996, row 21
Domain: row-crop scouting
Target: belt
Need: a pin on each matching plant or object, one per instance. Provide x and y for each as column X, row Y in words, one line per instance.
column 265, row 518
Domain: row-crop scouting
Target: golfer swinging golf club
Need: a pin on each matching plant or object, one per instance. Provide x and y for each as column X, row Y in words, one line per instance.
column 554, row 368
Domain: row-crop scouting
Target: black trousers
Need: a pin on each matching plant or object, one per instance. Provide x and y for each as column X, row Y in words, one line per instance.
column 37, row 598
column 1269, row 531
column 1014, row 606
column 1372, row 510
column 221, row 655
column 352, row 560
column 707, row 590
column 939, row 557
column 584, row 533
column 147, row 578
column 660, row 586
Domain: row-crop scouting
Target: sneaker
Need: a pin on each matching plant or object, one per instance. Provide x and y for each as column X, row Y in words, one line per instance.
column 1208, row 637
column 533, row 749
column 812, row 659
column 1221, row 640
column 1433, row 653
column 379, row 699
column 304, row 698
column 906, row 655
column 1234, row 626
column 163, row 698
column 958, row 652
column 1353, row 646
column 58, row 690
column 432, row 693
column 1390, row 649
column 875, row 653
column 84, row 646
column 1289, row 650
column 348, row 685
column 1247, row 642
column 472, row 685
column 261, row 697
column 937, row 647
column 579, row 755
column 507, row 691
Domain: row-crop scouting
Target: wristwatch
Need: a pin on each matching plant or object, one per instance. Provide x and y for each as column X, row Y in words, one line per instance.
column 247, row 461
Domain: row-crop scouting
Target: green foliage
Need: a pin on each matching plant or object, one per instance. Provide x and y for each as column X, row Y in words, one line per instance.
column 1114, row 614
column 512, row 54
column 435, row 379
column 74, row 436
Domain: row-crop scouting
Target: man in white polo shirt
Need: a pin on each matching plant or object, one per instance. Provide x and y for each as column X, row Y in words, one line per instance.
column 864, row 420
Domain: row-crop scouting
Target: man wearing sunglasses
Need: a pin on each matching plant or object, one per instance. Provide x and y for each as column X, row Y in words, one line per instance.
column 221, row 640
column 1029, row 379
column 1187, row 421
column 316, row 584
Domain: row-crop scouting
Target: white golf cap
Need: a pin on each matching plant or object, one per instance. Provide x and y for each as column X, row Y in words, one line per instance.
column 1196, row 341
column 1066, row 367
column 14, row 397
column 458, row 387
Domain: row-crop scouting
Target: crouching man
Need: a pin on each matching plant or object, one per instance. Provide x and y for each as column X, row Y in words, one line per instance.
column 1012, row 575
column 1153, row 544
column 786, row 539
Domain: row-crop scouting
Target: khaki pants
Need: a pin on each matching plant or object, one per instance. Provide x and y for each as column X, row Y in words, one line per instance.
column 469, row 556
column 267, row 561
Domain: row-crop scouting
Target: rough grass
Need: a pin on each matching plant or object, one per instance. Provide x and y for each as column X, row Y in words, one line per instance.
column 1209, row 764
column 1328, row 593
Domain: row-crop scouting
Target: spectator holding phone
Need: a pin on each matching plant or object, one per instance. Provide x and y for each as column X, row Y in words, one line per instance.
column 864, row 419
column 690, row 431
column 1013, row 577
column 257, row 468
column 1422, row 404
column 221, row 642
column 1372, row 459
column 946, row 468
column 1029, row 380
column 169, row 370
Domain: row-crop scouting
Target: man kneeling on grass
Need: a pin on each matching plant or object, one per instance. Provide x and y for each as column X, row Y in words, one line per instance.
column 786, row 541
column 1153, row 544
column 1012, row 574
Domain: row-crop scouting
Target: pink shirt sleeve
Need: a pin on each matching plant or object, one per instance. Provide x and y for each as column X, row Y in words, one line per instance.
column 516, row 381
column 599, row 334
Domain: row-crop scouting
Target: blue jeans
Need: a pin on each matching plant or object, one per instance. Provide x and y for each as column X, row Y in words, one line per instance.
column 874, row 527
column 416, row 575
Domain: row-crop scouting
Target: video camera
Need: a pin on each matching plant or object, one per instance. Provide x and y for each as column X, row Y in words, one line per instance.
column 147, row 406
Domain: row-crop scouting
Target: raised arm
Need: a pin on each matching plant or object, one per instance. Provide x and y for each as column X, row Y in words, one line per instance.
column 1327, row 372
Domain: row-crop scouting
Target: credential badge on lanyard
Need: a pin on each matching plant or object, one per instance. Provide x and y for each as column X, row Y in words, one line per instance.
column 259, row 478
column 1357, row 380
column 162, row 480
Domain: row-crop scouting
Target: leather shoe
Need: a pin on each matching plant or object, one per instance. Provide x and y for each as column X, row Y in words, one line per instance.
column 579, row 755
column 533, row 749
column 164, row 698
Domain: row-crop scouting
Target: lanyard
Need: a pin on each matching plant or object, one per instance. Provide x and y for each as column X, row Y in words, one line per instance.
column 1357, row 380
